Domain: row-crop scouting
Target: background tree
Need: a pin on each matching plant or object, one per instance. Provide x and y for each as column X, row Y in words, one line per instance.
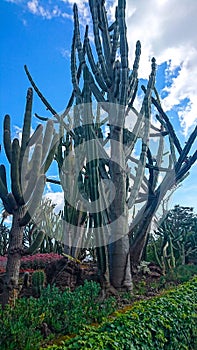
column 87, row 156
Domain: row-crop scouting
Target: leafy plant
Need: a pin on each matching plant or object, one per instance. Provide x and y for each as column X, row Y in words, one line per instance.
column 166, row 322
column 65, row 312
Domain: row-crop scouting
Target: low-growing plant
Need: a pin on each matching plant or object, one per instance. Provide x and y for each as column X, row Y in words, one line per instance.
column 180, row 274
column 166, row 322
column 65, row 312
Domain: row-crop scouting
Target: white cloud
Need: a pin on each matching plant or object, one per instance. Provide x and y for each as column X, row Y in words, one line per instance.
column 167, row 30
column 57, row 199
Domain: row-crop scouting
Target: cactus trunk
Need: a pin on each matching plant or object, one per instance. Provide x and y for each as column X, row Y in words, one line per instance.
column 10, row 292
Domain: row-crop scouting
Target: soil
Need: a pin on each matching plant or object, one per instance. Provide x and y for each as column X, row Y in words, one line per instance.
column 65, row 273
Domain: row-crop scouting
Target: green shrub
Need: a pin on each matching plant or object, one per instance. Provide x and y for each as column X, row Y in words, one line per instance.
column 180, row 274
column 167, row 322
column 62, row 312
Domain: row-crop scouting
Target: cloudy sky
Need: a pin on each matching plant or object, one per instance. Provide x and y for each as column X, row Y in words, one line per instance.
column 39, row 32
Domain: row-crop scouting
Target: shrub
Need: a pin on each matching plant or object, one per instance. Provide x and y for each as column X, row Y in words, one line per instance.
column 166, row 322
column 179, row 274
column 39, row 260
column 63, row 312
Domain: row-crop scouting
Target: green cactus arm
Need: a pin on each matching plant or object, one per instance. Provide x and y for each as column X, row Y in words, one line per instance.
column 51, row 153
column 36, row 243
column 117, row 67
column 3, row 178
column 136, row 130
column 186, row 149
column 26, row 128
column 168, row 125
column 106, row 42
column 79, row 71
column 145, row 140
column 43, row 99
column 159, row 155
column 15, row 175
column 123, row 52
column 7, row 138
column 160, row 151
column 3, row 190
column 172, row 150
column 36, row 198
column 11, row 202
column 95, row 90
column 35, row 136
column 133, row 79
column 115, row 38
column 73, row 67
column 134, row 73
column 77, row 36
column 48, row 135
column 44, row 119
column 97, row 40
column 181, row 173
column 95, row 69
column 34, row 172
column 151, row 172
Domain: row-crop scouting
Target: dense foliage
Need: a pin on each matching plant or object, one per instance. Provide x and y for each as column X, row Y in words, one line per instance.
column 24, row 326
column 166, row 322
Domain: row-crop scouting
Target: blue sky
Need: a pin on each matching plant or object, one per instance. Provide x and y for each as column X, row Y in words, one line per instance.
column 38, row 33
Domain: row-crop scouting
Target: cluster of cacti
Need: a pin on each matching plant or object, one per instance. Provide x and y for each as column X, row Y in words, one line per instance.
column 83, row 154
column 178, row 239
column 38, row 280
column 39, row 233
column 29, row 160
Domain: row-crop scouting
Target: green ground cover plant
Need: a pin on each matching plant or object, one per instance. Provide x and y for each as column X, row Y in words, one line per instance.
column 31, row 320
column 165, row 322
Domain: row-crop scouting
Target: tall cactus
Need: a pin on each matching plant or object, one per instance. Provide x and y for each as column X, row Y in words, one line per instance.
column 29, row 161
column 86, row 155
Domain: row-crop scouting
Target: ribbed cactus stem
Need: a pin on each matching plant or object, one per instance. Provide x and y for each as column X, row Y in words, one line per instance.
column 26, row 127
column 35, row 136
column 7, row 138
column 36, row 243
column 95, row 69
column 34, row 172
column 3, row 182
column 115, row 38
column 77, row 36
column 38, row 281
column 15, row 174
column 98, row 46
column 107, row 47
column 47, row 139
column 123, row 52
column 117, row 68
column 76, row 88
column 36, row 198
